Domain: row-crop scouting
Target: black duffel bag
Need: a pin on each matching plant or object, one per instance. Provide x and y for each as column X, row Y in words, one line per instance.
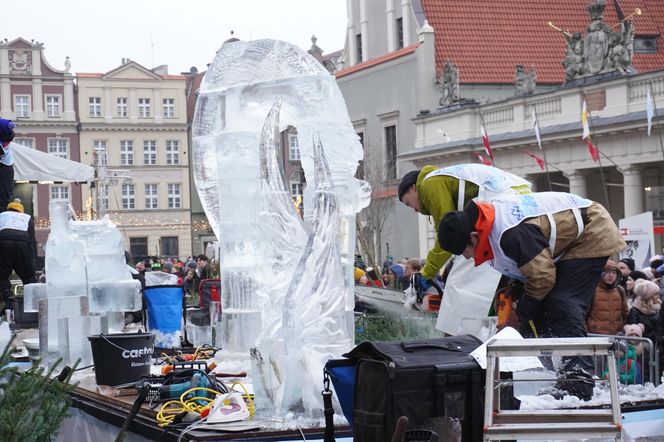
column 420, row 379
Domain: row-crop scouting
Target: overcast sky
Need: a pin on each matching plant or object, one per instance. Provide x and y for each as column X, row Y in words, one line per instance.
column 96, row 35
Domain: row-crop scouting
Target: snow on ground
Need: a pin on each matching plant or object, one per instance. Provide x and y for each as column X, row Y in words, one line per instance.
column 602, row 396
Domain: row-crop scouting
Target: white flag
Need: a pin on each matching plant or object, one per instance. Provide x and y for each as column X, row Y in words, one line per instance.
column 537, row 131
column 650, row 110
column 584, row 121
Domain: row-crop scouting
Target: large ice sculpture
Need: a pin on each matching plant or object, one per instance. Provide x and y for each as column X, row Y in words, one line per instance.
column 236, row 94
column 273, row 272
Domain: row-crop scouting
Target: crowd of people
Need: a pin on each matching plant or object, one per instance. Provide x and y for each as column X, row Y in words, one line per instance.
column 190, row 272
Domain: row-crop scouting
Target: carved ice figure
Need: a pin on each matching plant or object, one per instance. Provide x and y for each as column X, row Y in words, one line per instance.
column 236, row 94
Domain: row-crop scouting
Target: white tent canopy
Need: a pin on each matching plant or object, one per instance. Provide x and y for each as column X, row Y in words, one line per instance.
column 34, row 165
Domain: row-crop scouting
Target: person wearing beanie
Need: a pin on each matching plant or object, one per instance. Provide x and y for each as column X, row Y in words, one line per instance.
column 17, row 249
column 557, row 245
column 6, row 162
column 434, row 192
column 609, row 309
column 626, row 266
column 646, row 307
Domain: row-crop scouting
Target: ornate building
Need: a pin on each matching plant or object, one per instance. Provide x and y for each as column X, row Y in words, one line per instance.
column 394, row 81
column 40, row 100
column 133, row 129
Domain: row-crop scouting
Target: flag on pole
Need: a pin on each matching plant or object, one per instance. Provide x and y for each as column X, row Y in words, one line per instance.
column 540, row 161
column 584, row 121
column 485, row 141
column 483, row 160
column 650, row 110
column 594, row 152
column 536, row 127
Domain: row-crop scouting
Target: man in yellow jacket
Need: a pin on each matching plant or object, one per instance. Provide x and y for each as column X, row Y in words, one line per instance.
column 434, row 191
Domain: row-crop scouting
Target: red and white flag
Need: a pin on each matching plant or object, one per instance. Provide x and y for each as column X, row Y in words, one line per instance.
column 483, row 160
column 540, row 161
column 594, row 152
column 485, row 141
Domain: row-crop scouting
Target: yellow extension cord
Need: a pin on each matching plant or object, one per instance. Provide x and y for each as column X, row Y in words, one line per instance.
column 171, row 409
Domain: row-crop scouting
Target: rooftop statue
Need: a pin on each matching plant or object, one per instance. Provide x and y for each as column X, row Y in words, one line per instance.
column 602, row 49
column 525, row 82
column 448, row 83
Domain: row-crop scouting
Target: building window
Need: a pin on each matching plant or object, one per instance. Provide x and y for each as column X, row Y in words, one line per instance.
column 94, row 107
column 144, row 107
column 122, row 107
column 169, row 108
column 172, row 152
column 149, row 152
column 358, row 43
column 174, row 201
column 128, row 201
column 59, row 147
column 22, row 106
column 296, row 189
column 59, row 192
column 645, row 45
column 99, row 147
column 52, row 106
column 103, row 202
column 27, row 142
column 138, row 247
column 169, row 246
column 126, row 153
column 391, row 152
column 151, row 196
column 293, row 147
column 359, row 174
column 399, row 33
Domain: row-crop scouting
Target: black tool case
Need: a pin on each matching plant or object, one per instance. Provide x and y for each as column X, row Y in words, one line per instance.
column 420, row 379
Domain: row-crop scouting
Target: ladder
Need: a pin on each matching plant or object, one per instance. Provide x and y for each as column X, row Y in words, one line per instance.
column 549, row 424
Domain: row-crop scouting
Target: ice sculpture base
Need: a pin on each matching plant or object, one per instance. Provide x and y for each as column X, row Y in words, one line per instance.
column 240, row 329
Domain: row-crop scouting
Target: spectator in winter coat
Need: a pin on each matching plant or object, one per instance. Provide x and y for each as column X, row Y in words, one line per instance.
column 609, row 310
column 397, row 280
column 373, row 278
column 560, row 273
column 629, row 369
column 646, row 307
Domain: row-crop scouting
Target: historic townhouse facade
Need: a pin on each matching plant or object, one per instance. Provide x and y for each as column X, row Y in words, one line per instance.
column 133, row 129
column 40, row 100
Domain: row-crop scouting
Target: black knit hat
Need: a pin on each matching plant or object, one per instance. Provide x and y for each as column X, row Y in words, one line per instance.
column 629, row 262
column 407, row 182
column 455, row 228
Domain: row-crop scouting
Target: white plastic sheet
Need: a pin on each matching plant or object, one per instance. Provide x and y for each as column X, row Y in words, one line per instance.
column 469, row 291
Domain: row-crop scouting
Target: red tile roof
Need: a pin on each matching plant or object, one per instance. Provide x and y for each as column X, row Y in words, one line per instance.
column 193, row 84
column 377, row 60
column 486, row 40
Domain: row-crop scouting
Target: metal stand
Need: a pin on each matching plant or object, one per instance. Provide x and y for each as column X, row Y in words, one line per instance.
column 549, row 424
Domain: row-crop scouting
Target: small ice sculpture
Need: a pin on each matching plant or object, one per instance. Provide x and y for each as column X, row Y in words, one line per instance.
column 265, row 250
column 85, row 264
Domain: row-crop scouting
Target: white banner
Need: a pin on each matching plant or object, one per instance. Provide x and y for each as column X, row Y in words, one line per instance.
column 637, row 231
